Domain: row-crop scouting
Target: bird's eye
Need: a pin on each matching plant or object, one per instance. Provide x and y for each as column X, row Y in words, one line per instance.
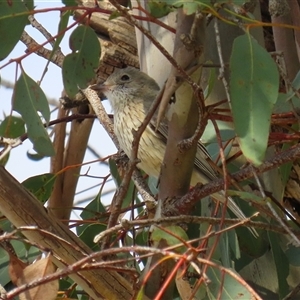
column 125, row 78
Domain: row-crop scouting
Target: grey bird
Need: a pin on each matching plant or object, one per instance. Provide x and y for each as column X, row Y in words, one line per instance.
column 131, row 93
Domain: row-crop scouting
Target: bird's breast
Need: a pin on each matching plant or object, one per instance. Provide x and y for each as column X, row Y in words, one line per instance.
column 151, row 147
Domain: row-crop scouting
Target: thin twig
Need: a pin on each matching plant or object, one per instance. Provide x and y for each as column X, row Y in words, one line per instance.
column 57, row 58
column 222, row 68
column 144, row 190
column 101, row 114
column 127, row 224
column 40, row 28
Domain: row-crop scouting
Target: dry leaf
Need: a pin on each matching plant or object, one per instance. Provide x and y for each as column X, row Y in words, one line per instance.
column 15, row 268
column 35, row 271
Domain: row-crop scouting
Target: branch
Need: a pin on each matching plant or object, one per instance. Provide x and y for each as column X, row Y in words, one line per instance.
column 185, row 203
column 22, row 209
column 127, row 225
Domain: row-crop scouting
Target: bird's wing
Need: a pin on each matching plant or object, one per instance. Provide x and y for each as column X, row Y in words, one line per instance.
column 203, row 162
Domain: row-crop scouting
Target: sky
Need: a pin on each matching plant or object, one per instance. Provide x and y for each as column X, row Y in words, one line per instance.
column 19, row 165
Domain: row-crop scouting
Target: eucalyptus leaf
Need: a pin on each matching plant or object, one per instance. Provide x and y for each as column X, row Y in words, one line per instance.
column 158, row 9
column 41, row 186
column 293, row 255
column 13, row 18
column 93, row 208
column 131, row 192
column 12, row 127
column 175, row 238
column 28, row 99
column 69, row 2
column 231, row 288
column 88, row 233
column 254, row 88
column 281, row 264
column 79, row 66
column 209, row 135
column 296, row 81
column 34, row 156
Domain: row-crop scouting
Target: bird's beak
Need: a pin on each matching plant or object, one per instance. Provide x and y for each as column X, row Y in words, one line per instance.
column 100, row 87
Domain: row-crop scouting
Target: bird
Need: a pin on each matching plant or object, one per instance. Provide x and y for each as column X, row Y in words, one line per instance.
column 131, row 93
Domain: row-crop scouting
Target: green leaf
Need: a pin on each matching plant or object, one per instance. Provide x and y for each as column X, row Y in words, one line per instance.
column 69, row 2
column 79, row 66
column 210, row 140
column 190, row 6
column 214, row 150
column 254, row 87
column 142, row 238
column 91, row 212
column 41, row 186
column 233, row 243
column 171, row 240
column 67, row 286
column 131, row 191
column 281, row 263
column 296, row 81
column 285, row 169
column 283, row 104
column 4, row 262
column 34, row 156
column 225, row 256
column 12, row 127
column 158, row 9
column 114, row 171
column 89, row 232
column 13, row 18
column 93, row 208
column 28, row 99
column 223, row 286
column 25, row 253
column 246, row 242
column 209, row 135
column 293, row 255
column 29, row 4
